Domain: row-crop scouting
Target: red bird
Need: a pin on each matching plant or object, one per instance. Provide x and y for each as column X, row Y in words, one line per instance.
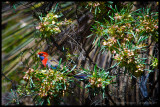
column 53, row 64
column 48, row 61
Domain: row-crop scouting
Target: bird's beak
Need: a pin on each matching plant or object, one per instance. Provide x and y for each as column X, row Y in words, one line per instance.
column 37, row 55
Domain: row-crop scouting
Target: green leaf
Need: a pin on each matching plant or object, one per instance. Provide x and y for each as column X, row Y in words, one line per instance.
column 88, row 85
column 149, row 70
column 95, row 11
column 48, row 101
column 90, row 9
column 12, row 92
column 31, row 83
column 73, row 67
column 95, row 69
column 137, row 10
column 115, row 65
column 94, row 40
column 40, row 18
column 60, row 62
column 112, row 78
column 86, row 6
column 133, row 35
column 105, row 31
column 99, row 10
column 148, row 9
column 89, row 35
column 118, row 43
column 111, row 17
column 14, row 6
column 99, row 42
column 110, row 2
column 143, row 58
column 142, row 38
column 103, row 95
column 116, row 8
column 112, row 8
column 109, row 12
column 42, row 101
column 55, row 7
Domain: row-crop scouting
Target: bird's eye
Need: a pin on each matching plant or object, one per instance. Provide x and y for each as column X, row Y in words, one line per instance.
column 41, row 54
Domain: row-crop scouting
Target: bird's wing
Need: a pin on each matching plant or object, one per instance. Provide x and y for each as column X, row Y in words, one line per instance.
column 53, row 62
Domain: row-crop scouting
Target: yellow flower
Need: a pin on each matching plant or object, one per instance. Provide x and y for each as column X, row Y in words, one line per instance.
column 55, row 16
column 118, row 17
column 116, row 56
column 136, row 71
column 113, row 52
column 137, row 30
column 129, row 15
column 53, row 22
column 99, row 85
column 61, row 78
column 57, row 29
column 91, row 81
column 38, row 27
column 99, row 79
column 96, row 4
column 116, row 14
column 46, row 23
column 156, row 27
column 104, row 43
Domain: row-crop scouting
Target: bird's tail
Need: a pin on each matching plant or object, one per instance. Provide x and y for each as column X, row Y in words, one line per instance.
column 81, row 76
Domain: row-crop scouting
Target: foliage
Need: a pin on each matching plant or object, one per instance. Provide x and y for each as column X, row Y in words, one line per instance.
column 154, row 62
column 50, row 25
column 96, row 7
column 125, row 34
column 98, row 78
column 52, row 83
column 122, row 32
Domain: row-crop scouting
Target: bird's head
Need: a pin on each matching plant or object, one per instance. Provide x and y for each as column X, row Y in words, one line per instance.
column 42, row 55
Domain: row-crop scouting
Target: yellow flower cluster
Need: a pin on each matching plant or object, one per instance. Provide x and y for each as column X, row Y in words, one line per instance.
column 130, row 59
column 148, row 24
column 48, row 82
column 125, row 55
column 95, row 82
column 53, row 80
column 117, row 31
column 110, row 42
column 27, row 75
column 99, row 80
column 94, row 4
column 50, row 25
column 140, row 68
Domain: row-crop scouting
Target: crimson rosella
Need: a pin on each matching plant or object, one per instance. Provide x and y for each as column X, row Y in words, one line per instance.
column 48, row 61
column 53, row 63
